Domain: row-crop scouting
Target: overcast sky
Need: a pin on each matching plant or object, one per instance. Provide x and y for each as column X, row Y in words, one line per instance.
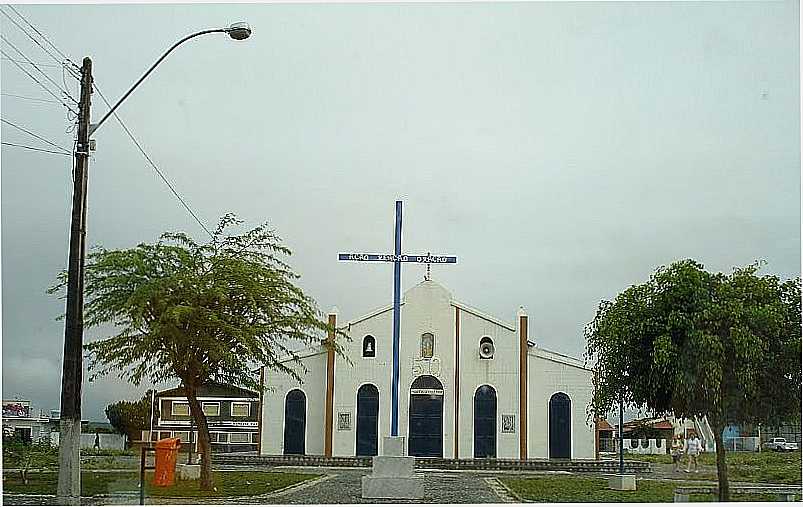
column 562, row 151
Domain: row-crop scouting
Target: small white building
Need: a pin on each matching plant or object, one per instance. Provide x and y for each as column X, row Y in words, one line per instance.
column 470, row 385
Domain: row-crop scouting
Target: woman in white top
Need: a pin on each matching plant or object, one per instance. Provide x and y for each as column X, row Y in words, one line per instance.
column 693, row 449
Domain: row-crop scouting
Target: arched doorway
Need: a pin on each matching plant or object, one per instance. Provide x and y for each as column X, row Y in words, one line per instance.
column 485, row 422
column 426, row 417
column 295, row 422
column 367, row 420
column 560, row 426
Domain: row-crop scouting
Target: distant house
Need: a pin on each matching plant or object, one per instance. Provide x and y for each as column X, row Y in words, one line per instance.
column 26, row 423
column 232, row 414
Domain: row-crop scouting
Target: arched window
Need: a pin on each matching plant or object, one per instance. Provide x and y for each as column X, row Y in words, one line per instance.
column 427, row 345
column 368, row 346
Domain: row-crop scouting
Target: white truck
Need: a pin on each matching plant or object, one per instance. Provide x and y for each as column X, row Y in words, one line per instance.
column 779, row 444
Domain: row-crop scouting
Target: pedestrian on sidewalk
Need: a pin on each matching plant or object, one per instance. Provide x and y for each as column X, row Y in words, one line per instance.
column 677, row 452
column 693, row 448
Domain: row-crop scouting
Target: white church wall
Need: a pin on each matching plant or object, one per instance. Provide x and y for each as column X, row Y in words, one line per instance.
column 427, row 309
column 369, row 370
column 273, row 407
column 548, row 377
column 501, row 373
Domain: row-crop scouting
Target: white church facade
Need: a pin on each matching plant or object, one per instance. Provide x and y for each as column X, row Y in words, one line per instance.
column 470, row 386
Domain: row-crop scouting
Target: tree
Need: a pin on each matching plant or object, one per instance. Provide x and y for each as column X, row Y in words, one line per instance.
column 131, row 417
column 696, row 344
column 198, row 313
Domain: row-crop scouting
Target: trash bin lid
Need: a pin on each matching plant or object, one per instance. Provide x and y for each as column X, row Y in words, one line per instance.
column 168, row 443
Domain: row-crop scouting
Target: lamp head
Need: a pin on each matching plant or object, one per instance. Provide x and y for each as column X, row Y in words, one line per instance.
column 239, row 31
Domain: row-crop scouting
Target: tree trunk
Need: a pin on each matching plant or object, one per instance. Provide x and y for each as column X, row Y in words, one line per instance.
column 722, row 465
column 203, row 438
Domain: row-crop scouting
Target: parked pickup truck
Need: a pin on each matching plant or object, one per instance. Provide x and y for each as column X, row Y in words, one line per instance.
column 780, row 444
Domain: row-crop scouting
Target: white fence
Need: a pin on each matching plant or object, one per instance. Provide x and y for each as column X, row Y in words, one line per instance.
column 741, row 444
column 634, row 445
column 107, row 440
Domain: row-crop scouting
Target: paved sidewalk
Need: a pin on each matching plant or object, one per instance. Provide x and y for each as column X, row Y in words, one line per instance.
column 338, row 486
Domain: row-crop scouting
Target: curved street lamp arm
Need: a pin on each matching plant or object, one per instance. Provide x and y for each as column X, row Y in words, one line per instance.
column 96, row 126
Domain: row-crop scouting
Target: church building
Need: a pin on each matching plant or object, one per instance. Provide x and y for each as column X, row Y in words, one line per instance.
column 470, row 386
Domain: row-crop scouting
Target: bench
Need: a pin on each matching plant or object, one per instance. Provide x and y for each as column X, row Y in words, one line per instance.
column 782, row 493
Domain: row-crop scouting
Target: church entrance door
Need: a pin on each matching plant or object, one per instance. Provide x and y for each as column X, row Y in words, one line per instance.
column 485, row 422
column 426, row 417
column 367, row 420
column 295, row 422
column 560, row 426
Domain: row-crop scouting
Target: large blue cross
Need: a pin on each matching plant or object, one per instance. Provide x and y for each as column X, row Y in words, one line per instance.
column 397, row 258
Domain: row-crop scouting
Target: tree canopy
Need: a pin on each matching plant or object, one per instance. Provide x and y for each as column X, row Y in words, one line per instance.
column 200, row 312
column 694, row 343
column 132, row 417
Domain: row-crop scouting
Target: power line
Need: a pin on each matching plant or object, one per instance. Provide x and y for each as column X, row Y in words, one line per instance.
column 23, row 30
column 40, row 84
column 161, row 175
column 51, row 143
column 43, row 36
column 52, row 65
column 29, row 98
column 35, row 149
column 65, row 92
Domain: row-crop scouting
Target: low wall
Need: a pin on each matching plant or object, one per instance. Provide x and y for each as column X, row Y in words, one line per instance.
column 645, row 445
column 107, row 440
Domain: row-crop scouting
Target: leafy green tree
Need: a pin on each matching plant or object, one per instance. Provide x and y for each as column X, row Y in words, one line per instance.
column 694, row 343
column 198, row 313
column 28, row 456
column 130, row 418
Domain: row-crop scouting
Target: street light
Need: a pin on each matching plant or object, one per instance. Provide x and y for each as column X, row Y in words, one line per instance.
column 69, row 481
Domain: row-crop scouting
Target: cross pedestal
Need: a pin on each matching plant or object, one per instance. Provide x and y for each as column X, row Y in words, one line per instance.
column 392, row 475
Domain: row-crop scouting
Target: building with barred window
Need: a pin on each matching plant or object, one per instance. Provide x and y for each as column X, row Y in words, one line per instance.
column 232, row 414
column 471, row 386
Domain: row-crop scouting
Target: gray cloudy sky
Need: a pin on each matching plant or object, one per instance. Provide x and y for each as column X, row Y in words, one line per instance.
column 561, row 150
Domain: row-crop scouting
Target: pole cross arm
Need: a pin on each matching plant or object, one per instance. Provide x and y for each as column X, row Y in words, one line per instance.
column 237, row 31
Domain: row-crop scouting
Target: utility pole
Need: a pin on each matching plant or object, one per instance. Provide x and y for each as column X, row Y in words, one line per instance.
column 69, row 485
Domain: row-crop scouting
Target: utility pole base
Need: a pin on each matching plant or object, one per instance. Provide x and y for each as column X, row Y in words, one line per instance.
column 69, row 486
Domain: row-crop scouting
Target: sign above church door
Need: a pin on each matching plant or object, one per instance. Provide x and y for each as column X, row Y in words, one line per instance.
column 426, row 366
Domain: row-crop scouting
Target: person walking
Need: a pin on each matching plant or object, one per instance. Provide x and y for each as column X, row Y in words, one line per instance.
column 97, row 441
column 677, row 452
column 693, row 448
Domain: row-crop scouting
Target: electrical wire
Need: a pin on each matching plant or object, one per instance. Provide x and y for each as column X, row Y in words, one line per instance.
column 60, row 52
column 52, row 65
column 34, row 149
column 29, row 98
column 51, row 143
column 153, row 165
column 23, row 30
column 62, row 90
column 40, row 84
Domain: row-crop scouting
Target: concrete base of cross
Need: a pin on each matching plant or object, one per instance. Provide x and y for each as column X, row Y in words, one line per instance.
column 392, row 475
column 622, row 482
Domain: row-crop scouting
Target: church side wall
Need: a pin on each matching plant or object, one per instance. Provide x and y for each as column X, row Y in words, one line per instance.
column 273, row 408
column 364, row 370
column 548, row 377
column 501, row 373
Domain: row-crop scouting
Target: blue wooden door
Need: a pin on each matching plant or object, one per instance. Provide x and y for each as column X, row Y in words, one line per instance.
column 295, row 422
column 367, row 420
column 426, row 417
column 560, row 426
column 485, row 422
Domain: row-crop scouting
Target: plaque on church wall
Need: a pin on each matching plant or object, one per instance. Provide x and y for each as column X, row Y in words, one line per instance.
column 508, row 423
column 343, row 421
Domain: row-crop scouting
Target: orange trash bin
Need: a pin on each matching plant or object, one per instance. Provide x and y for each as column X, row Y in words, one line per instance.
column 166, row 456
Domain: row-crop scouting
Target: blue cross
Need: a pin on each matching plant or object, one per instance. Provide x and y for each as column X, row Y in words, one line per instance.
column 397, row 258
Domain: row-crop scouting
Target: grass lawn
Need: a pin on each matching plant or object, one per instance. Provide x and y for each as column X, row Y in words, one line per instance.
column 768, row 466
column 556, row 489
column 102, row 483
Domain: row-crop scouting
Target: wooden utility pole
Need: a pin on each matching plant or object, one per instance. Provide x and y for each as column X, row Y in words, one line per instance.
column 69, row 484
